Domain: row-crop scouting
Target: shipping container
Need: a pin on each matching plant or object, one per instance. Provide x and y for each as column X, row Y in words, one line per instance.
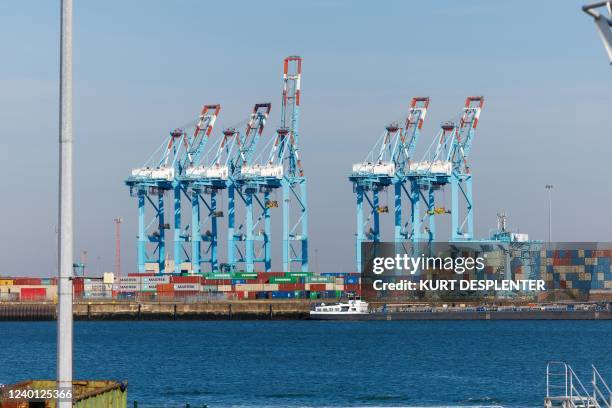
column 282, row 279
column 245, row 275
column 165, row 287
column 33, row 294
column 26, row 281
column 187, row 287
column 193, row 279
column 283, row 295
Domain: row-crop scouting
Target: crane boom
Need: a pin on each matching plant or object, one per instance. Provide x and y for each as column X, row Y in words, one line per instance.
column 603, row 23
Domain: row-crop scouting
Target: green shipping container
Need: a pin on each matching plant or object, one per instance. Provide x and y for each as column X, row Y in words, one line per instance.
column 282, row 279
column 299, row 274
column 218, row 276
column 245, row 275
column 320, row 279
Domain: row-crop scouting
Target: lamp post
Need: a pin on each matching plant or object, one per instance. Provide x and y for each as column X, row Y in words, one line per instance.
column 65, row 233
column 118, row 222
column 549, row 188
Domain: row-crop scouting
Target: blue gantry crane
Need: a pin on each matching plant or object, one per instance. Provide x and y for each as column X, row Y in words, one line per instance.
column 241, row 239
column 160, row 174
column 391, row 162
column 282, row 170
column 446, row 163
column 187, row 167
column 385, row 165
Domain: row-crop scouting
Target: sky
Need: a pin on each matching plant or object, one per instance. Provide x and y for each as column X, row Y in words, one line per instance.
column 142, row 68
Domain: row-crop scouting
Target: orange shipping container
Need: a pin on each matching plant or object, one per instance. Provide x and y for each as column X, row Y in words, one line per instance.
column 165, row 287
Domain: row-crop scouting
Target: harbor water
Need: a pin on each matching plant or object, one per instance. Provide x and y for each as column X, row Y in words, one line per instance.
column 315, row 363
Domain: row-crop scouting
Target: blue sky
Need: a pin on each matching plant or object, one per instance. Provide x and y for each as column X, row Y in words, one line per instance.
column 144, row 67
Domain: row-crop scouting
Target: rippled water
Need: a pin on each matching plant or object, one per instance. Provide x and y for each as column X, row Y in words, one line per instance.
column 309, row 363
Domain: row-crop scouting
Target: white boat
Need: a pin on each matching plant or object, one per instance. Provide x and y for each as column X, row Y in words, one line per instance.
column 353, row 307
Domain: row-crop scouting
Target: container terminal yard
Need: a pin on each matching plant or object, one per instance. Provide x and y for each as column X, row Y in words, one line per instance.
column 197, row 167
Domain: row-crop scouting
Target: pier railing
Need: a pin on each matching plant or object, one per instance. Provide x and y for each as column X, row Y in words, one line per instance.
column 564, row 388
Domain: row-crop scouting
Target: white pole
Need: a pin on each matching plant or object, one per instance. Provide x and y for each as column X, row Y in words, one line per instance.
column 64, row 312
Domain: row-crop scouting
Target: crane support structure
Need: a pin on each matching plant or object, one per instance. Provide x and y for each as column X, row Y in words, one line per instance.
column 603, row 23
column 446, row 163
column 151, row 184
column 241, row 239
column 282, row 171
column 391, row 163
column 386, row 165
column 197, row 169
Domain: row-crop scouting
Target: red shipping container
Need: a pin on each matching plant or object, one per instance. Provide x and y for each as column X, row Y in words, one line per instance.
column 317, row 287
column 271, row 274
column 186, row 279
column 284, row 287
column 351, row 287
column 78, row 286
column 136, row 274
column 26, row 281
column 33, row 294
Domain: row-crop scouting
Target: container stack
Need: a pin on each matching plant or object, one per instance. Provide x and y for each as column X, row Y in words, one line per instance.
column 239, row 285
column 28, row 289
column 577, row 272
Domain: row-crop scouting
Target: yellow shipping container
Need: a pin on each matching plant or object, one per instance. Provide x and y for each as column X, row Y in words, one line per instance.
column 6, row 282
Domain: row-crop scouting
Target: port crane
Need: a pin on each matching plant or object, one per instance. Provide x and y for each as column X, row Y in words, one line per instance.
column 603, row 22
column 282, row 170
column 386, row 164
column 160, row 174
column 446, row 163
column 241, row 238
column 205, row 181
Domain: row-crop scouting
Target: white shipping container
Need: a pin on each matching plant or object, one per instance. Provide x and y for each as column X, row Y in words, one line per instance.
column 129, row 279
column 187, row 287
column 270, row 287
column 155, row 279
column 148, row 287
column 252, row 287
column 127, row 287
column 97, row 294
column 94, row 287
column 224, row 288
